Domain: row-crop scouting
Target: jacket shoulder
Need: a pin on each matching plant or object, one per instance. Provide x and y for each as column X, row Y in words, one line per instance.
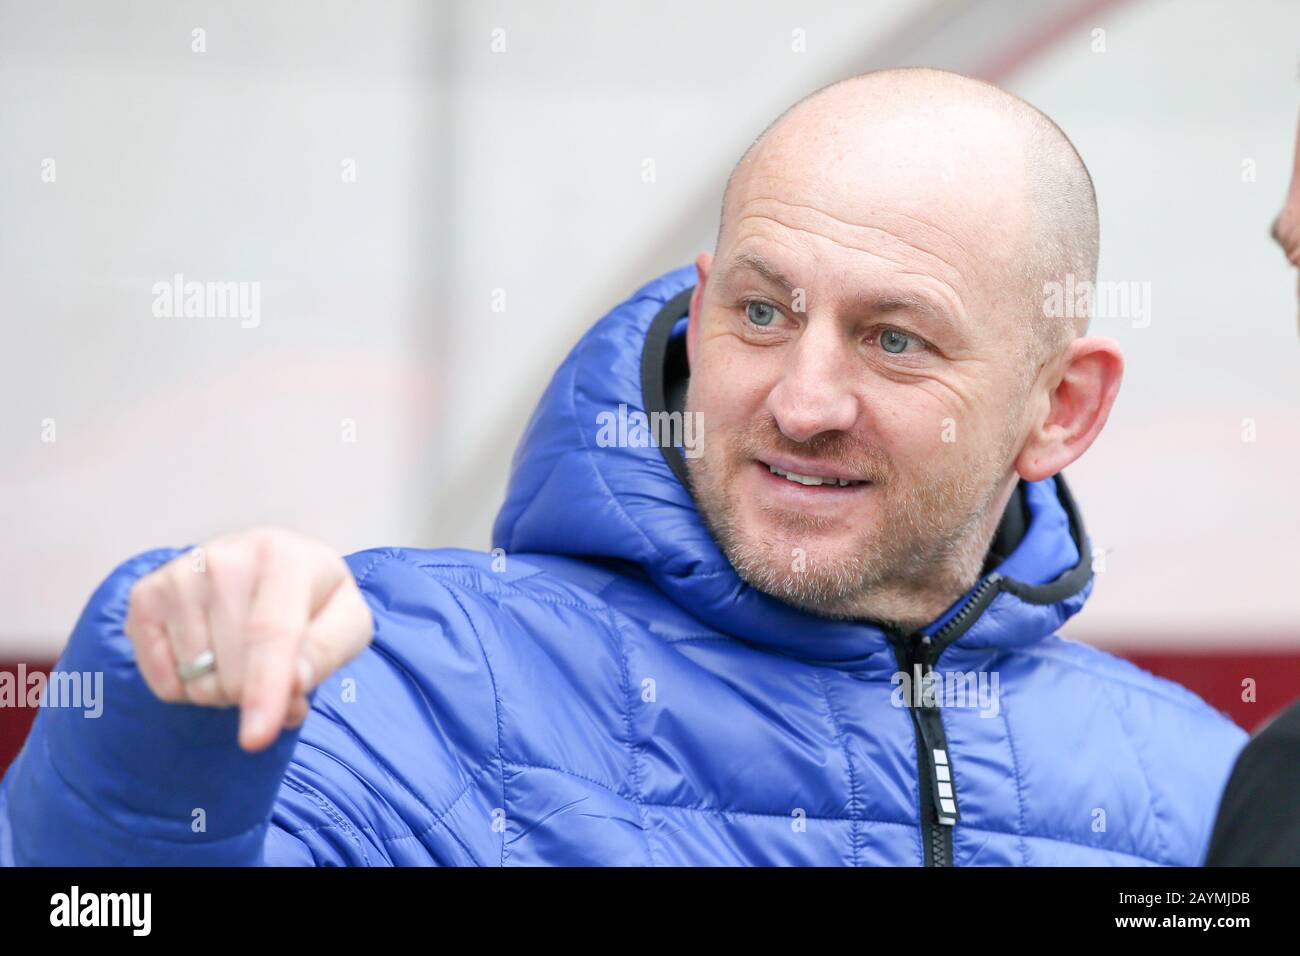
column 1126, row 679
column 1183, row 747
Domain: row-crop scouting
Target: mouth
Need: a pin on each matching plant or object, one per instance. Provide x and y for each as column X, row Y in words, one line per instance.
column 809, row 483
column 814, row 481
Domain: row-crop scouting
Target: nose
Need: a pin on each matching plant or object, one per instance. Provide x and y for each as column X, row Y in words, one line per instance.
column 815, row 393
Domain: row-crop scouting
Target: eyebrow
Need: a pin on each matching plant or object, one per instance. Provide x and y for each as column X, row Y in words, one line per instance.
column 753, row 262
column 873, row 302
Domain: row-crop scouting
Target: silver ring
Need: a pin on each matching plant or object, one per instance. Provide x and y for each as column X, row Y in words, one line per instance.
column 205, row 663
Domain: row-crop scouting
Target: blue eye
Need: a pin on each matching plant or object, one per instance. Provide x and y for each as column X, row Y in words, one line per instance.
column 894, row 341
column 760, row 313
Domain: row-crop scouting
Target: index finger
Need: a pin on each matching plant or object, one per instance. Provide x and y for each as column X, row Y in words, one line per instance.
column 286, row 595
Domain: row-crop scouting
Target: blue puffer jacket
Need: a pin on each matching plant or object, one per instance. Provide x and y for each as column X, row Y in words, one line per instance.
column 603, row 689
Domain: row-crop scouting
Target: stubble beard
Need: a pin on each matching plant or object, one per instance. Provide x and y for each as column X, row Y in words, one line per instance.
column 925, row 549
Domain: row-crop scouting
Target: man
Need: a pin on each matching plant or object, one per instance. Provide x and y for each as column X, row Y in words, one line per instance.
column 1258, row 823
column 1286, row 228
column 824, row 634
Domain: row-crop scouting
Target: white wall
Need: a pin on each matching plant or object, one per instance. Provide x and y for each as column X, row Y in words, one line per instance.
column 522, row 170
column 1200, row 527
column 222, row 165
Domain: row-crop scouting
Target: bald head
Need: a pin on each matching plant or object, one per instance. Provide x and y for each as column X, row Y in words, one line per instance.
column 875, row 312
column 970, row 160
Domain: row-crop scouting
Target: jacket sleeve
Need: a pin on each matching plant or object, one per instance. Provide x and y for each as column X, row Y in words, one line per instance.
column 397, row 763
column 121, row 777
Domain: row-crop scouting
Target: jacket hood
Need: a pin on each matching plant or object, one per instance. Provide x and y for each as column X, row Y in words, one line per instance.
column 573, row 494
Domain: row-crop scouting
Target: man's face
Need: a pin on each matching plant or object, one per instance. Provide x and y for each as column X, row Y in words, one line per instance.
column 864, row 345
column 1286, row 228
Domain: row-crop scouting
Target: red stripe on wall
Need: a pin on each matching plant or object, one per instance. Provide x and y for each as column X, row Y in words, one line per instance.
column 1227, row 681
column 15, row 716
column 1248, row 686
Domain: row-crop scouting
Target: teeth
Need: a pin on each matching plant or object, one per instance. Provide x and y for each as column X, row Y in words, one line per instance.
column 812, row 479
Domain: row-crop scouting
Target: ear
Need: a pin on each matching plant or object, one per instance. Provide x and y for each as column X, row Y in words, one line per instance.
column 703, row 264
column 1089, row 370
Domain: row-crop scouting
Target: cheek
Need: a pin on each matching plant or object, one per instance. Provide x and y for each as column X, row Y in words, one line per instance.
column 727, row 389
column 911, row 444
column 911, row 426
column 964, row 415
column 922, row 436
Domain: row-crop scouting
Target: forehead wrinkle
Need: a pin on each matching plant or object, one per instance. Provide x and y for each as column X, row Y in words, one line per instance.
column 960, row 308
column 932, row 297
column 892, row 236
column 961, row 246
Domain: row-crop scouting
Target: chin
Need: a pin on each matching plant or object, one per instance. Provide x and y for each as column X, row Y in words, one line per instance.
column 831, row 539
column 813, row 590
column 798, row 568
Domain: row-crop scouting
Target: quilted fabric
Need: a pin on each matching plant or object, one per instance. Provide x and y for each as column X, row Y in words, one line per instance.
column 601, row 688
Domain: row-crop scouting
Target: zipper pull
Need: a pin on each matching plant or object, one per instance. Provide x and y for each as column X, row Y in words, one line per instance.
column 933, row 739
column 945, row 795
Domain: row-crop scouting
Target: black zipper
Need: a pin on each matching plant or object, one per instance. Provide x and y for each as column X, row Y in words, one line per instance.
column 917, row 654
